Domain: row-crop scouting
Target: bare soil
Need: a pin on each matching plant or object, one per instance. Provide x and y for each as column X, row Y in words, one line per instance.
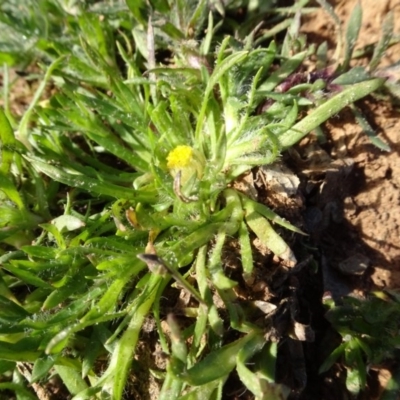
column 373, row 210
column 349, row 204
column 367, row 193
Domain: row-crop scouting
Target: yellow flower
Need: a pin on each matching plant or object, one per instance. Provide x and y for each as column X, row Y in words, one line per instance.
column 187, row 161
column 180, row 157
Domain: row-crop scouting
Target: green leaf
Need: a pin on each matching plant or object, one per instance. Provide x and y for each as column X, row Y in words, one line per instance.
column 45, row 252
column 183, row 249
column 250, row 206
column 114, row 379
column 254, row 381
column 268, row 237
column 197, row 18
column 178, row 344
column 219, row 279
column 368, row 130
column 353, row 381
column 75, row 179
column 97, row 33
column 329, row 109
column 327, row 364
column 6, row 366
column 261, row 147
column 7, row 142
column 23, row 131
column 354, row 75
column 69, row 287
column 203, row 392
column 322, row 56
column 353, row 29
column 384, row 42
column 11, row 309
column 76, row 308
column 220, row 362
column 356, row 368
column 14, row 352
column 137, row 8
column 108, row 300
column 41, row 368
column 161, row 6
column 8, row 187
column 245, row 251
column 220, row 69
column 266, row 361
column 26, row 276
column 21, row 392
column 172, row 31
column 93, row 349
column 288, row 67
column 71, row 378
column 339, row 37
column 80, row 70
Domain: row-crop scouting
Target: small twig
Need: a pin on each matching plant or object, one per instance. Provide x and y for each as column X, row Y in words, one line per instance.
column 178, row 192
column 25, row 369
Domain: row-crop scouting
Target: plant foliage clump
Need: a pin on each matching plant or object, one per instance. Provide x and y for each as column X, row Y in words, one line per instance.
column 154, row 110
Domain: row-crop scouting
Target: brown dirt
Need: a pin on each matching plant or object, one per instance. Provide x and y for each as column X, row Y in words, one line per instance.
column 372, row 200
column 375, row 200
column 320, row 27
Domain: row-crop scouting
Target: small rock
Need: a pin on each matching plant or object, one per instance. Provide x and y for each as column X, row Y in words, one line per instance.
column 280, row 179
column 354, row 265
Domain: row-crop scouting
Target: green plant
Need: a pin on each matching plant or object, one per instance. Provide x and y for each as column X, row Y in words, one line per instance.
column 133, row 159
column 369, row 328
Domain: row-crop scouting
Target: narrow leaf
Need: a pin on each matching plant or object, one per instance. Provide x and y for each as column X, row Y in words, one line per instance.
column 329, row 109
column 353, row 29
column 268, row 237
column 75, row 179
column 7, row 143
column 368, row 130
column 219, row 363
column 383, row 44
column 71, row 378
